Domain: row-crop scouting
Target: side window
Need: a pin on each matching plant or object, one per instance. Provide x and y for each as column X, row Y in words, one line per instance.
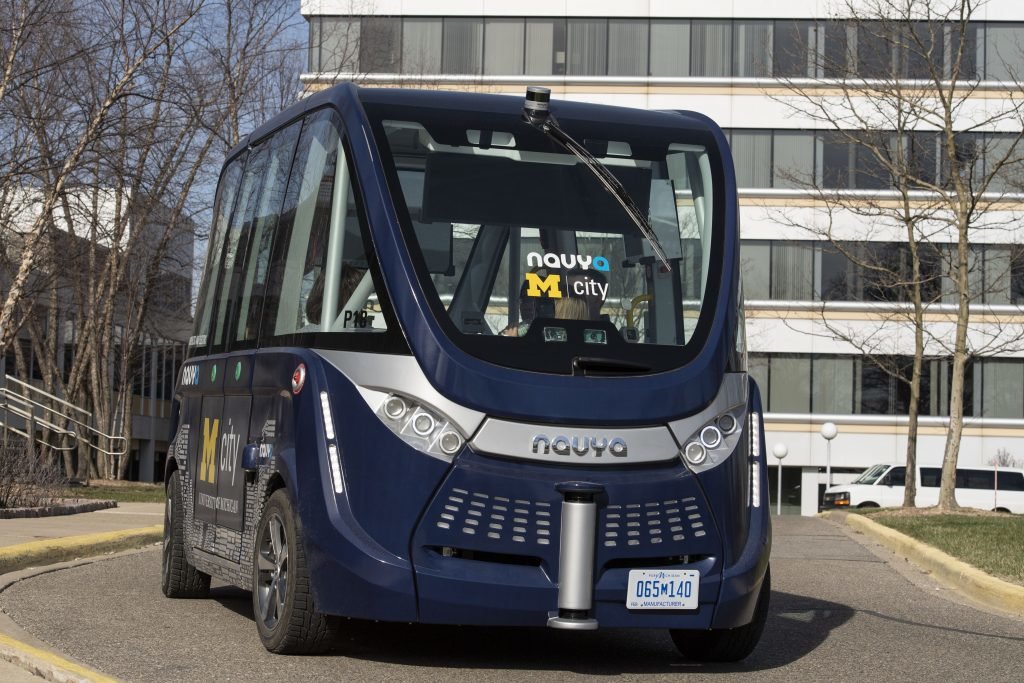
column 265, row 224
column 225, row 201
column 975, row 479
column 897, row 476
column 1011, row 481
column 321, row 273
column 931, row 477
column 238, row 227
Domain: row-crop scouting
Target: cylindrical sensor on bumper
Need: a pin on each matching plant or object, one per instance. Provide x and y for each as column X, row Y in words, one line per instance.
column 576, row 557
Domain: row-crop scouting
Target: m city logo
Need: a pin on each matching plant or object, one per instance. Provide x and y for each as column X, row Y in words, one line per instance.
column 580, row 285
column 229, row 447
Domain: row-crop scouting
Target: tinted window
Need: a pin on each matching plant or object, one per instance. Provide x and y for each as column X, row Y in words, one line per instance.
column 321, row 280
column 931, row 477
column 223, row 204
column 897, row 476
column 1011, row 481
column 235, row 242
column 267, row 214
column 975, row 479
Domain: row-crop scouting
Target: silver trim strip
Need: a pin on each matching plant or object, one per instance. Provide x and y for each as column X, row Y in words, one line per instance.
column 377, row 375
column 575, row 444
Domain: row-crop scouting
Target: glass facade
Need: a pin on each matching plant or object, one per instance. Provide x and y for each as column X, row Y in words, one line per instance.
column 717, row 48
column 879, row 385
column 805, row 270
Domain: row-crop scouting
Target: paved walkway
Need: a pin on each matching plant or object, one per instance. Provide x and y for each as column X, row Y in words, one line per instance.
column 124, row 516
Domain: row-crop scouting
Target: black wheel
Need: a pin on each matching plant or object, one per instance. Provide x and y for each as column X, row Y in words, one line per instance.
column 730, row 644
column 178, row 578
column 868, row 504
column 282, row 602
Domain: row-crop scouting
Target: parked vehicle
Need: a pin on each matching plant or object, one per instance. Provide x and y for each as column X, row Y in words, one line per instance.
column 986, row 488
column 458, row 362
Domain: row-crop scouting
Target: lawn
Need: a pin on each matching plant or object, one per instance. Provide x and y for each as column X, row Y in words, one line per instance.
column 126, row 492
column 992, row 543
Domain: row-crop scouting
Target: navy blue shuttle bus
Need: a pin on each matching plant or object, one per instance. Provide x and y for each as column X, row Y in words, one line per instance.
column 474, row 359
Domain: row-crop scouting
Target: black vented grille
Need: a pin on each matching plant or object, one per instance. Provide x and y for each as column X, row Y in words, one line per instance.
column 499, row 518
column 650, row 524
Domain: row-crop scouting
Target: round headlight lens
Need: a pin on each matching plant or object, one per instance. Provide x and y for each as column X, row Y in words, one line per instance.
column 710, row 436
column 695, row 453
column 423, row 424
column 395, row 408
column 450, row 442
column 727, row 423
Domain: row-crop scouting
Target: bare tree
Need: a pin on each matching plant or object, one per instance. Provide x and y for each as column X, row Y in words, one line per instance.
column 899, row 97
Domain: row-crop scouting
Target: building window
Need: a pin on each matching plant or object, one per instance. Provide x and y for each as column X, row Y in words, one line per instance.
column 1004, row 52
column 462, row 45
column 793, row 49
column 504, row 41
column 752, row 157
column 627, row 47
column 789, row 379
column 832, row 388
column 793, row 159
column 752, row 42
column 339, row 44
column 421, row 46
column 792, row 271
column 588, row 47
column 545, row 47
column 380, row 45
column 670, row 47
column 711, row 48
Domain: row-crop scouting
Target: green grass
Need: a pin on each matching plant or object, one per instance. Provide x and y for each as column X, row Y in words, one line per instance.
column 993, row 544
column 122, row 493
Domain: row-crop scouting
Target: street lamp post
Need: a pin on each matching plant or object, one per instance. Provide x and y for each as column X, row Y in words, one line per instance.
column 828, row 432
column 779, row 451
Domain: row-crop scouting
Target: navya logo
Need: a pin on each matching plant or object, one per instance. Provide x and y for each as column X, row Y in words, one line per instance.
column 190, row 375
column 580, row 445
column 568, row 261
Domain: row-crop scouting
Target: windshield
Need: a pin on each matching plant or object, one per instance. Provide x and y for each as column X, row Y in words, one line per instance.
column 523, row 245
column 871, row 475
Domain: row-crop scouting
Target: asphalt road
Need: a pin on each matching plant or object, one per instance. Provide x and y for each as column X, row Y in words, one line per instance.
column 839, row 612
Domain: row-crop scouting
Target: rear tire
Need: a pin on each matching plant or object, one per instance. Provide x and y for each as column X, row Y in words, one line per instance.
column 868, row 504
column 178, row 578
column 282, row 602
column 729, row 644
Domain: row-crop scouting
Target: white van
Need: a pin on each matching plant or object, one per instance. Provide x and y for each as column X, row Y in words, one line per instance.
column 986, row 488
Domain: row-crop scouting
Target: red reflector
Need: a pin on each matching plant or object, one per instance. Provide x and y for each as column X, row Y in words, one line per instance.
column 298, row 378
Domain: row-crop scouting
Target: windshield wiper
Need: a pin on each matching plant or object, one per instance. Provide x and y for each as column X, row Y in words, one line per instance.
column 538, row 115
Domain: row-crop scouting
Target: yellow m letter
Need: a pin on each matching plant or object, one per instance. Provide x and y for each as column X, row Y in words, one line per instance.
column 537, row 286
column 208, row 465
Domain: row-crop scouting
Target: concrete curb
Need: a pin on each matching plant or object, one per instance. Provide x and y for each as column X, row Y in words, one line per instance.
column 37, row 553
column 948, row 570
column 47, row 665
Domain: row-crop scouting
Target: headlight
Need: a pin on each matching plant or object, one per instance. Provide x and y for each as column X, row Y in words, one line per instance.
column 420, row 426
column 715, row 440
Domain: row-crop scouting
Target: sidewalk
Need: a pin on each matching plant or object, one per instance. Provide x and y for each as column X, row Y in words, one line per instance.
column 39, row 541
column 125, row 516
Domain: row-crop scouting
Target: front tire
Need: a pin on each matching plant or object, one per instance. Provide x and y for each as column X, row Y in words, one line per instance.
column 729, row 644
column 178, row 578
column 282, row 602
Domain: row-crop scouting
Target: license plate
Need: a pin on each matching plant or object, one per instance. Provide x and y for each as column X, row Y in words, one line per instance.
column 662, row 589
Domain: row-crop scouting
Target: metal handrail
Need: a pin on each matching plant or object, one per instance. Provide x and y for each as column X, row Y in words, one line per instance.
column 121, row 447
